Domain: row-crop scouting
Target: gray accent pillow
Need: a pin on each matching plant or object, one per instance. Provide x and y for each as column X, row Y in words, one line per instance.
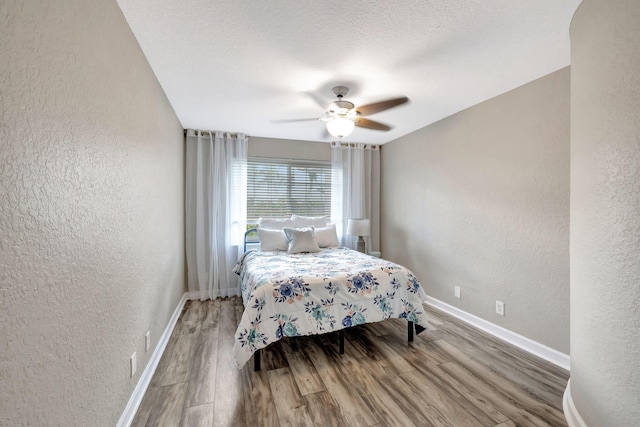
column 300, row 240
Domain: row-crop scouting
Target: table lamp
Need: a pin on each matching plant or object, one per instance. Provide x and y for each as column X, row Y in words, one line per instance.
column 358, row 227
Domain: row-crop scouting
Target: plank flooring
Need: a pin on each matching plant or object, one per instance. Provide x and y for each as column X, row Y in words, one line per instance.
column 451, row 375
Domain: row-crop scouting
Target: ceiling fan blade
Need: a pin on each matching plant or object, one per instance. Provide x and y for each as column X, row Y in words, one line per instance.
column 321, row 102
column 370, row 124
column 294, row 120
column 376, row 107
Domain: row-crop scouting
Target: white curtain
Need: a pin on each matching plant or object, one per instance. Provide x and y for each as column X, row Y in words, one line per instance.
column 356, row 190
column 215, row 210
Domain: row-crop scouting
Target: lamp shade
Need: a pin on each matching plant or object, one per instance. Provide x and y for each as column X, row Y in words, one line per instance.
column 358, row 227
column 340, row 127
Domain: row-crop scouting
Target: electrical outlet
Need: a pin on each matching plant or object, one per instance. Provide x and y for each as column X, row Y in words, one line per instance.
column 456, row 291
column 147, row 341
column 500, row 308
column 132, row 361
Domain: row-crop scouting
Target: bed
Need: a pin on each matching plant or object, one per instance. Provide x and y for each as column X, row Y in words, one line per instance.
column 295, row 294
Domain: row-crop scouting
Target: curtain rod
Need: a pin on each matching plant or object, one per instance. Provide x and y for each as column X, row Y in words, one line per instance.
column 333, row 143
column 353, row 144
column 208, row 133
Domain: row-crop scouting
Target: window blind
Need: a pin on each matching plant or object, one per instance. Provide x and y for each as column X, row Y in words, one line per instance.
column 281, row 187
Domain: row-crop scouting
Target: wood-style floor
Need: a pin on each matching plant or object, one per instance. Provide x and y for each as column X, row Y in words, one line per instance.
column 451, row 375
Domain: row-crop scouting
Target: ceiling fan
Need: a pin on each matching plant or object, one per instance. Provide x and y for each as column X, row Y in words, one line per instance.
column 341, row 116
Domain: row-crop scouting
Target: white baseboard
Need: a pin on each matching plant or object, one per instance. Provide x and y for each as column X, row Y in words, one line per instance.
column 138, row 393
column 570, row 412
column 529, row 345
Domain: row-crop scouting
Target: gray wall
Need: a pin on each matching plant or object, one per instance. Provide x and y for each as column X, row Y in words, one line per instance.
column 91, row 212
column 605, row 212
column 289, row 149
column 480, row 200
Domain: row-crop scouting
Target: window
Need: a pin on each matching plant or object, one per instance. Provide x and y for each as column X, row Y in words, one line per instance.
column 281, row 187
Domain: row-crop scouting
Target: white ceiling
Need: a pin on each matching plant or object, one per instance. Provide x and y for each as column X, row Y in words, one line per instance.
column 237, row 65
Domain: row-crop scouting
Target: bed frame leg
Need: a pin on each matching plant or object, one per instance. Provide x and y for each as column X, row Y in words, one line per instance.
column 256, row 360
column 341, row 335
column 410, row 331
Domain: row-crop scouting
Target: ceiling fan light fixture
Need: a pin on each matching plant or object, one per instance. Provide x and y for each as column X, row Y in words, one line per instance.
column 341, row 116
column 340, row 127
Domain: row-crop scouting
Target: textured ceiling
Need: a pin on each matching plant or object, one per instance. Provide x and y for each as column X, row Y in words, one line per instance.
column 239, row 65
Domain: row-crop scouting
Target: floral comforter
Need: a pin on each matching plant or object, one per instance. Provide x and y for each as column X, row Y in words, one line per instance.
column 288, row 295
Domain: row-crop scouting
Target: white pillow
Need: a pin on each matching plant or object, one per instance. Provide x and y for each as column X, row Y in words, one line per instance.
column 326, row 237
column 309, row 221
column 272, row 240
column 275, row 223
column 300, row 240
